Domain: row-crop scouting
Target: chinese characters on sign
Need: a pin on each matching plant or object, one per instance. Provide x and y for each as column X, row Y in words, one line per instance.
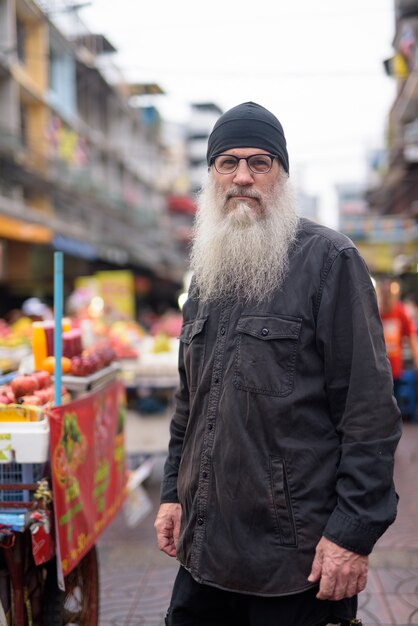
column 88, row 469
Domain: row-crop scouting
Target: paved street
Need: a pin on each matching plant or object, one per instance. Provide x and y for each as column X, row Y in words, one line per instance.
column 136, row 578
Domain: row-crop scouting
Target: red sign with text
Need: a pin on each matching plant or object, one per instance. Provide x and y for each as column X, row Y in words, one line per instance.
column 88, row 469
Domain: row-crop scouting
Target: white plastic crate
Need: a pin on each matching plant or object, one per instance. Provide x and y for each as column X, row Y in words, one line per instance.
column 24, row 442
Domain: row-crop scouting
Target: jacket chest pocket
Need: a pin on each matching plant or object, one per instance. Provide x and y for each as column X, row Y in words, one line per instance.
column 266, row 354
column 193, row 338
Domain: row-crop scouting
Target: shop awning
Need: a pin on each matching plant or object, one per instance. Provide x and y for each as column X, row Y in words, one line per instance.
column 74, row 247
column 24, row 231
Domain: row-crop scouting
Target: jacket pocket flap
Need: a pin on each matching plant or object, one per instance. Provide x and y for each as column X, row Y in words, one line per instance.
column 268, row 327
column 191, row 329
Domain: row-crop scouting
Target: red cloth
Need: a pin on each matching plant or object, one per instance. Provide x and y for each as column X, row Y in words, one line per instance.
column 397, row 324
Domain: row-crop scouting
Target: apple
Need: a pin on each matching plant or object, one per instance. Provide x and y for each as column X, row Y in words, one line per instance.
column 44, row 378
column 24, row 385
column 43, row 395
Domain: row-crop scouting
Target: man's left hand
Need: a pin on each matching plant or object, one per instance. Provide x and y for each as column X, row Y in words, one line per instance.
column 340, row 573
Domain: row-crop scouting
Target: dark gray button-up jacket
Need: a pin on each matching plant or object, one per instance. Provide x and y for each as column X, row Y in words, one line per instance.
column 285, row 426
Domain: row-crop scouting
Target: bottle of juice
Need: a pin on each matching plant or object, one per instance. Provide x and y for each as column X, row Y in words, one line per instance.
column 39, row 345
column 48, row 326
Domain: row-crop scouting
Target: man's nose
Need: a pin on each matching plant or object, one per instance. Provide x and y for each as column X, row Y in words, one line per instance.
column 243, row 174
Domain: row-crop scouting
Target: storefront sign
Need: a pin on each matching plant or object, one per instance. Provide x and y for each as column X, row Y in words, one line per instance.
column 24, row 231
column 88, row 469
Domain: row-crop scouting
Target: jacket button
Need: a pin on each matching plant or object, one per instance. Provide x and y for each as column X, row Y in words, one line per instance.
column 265, row 332
column 223, row 330
column 200, row 521
column 216, row 379
column 210, row 426
column 205, row 474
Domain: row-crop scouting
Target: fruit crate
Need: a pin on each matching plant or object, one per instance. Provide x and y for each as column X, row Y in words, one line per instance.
column 24, row 441
column 17, row 481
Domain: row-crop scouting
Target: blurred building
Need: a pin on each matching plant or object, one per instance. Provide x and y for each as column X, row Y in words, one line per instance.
column 393, row 189
column 383, row 240
column 80, row 165
column 182, row 205
column 202, row 119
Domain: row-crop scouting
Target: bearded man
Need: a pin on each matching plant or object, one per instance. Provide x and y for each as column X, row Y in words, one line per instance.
column 279, row 476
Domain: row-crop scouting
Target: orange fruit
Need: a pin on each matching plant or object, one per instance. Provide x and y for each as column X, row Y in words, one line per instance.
column 48, row 364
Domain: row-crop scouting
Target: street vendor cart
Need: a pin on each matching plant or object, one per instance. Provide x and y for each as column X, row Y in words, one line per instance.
column 66, row 482
column 63, row 478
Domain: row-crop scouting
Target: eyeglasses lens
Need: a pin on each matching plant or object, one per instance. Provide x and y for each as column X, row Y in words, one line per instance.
column 260, row 163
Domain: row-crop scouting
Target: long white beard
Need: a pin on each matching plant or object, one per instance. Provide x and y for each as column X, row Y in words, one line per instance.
column 238, row 254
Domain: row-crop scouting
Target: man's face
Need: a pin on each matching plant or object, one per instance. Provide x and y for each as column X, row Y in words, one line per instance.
column 245, row 226
column 244, row 186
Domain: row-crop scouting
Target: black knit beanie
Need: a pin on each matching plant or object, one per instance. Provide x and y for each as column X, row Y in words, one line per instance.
column 248, row 125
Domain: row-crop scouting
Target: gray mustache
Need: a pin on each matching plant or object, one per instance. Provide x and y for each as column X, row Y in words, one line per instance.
column 238, row 191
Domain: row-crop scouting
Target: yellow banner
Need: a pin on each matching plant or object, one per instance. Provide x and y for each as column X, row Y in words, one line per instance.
column 117, row 288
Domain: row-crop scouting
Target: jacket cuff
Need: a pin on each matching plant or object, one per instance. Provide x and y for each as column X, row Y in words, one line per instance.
column 168, row 491
column 350, row 534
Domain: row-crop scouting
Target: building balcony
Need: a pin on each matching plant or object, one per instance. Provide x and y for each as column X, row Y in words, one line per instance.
column 10, row 142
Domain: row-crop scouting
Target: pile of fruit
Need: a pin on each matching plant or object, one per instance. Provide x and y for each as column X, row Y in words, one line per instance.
column 124, row 337
column 83, row 364
column 16, row 334
column 91, row 360
column 33, row 389
column 14, row 343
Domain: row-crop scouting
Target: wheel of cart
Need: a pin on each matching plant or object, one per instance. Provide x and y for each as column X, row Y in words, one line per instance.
column 29, row 593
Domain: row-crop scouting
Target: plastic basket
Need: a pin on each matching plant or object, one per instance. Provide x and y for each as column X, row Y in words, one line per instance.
column 14, row 473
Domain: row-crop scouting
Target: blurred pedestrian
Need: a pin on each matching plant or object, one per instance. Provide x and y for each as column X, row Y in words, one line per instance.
column 36, row 310
column 410, row 302
column 278, row 480
column 399, row 329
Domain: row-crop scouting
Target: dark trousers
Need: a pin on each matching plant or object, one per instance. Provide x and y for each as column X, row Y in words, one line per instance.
column 193, row 604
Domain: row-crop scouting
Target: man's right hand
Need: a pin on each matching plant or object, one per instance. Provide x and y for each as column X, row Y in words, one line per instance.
column 167, row 525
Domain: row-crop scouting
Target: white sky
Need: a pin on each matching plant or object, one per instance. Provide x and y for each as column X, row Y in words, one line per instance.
column 317, row 65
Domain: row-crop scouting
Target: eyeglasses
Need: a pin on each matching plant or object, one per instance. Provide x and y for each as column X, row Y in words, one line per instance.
column 258, row 163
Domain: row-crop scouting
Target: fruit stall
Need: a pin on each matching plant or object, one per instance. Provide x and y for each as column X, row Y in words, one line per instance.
column 151, row 374
column 63, row 478
column 63, row 473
